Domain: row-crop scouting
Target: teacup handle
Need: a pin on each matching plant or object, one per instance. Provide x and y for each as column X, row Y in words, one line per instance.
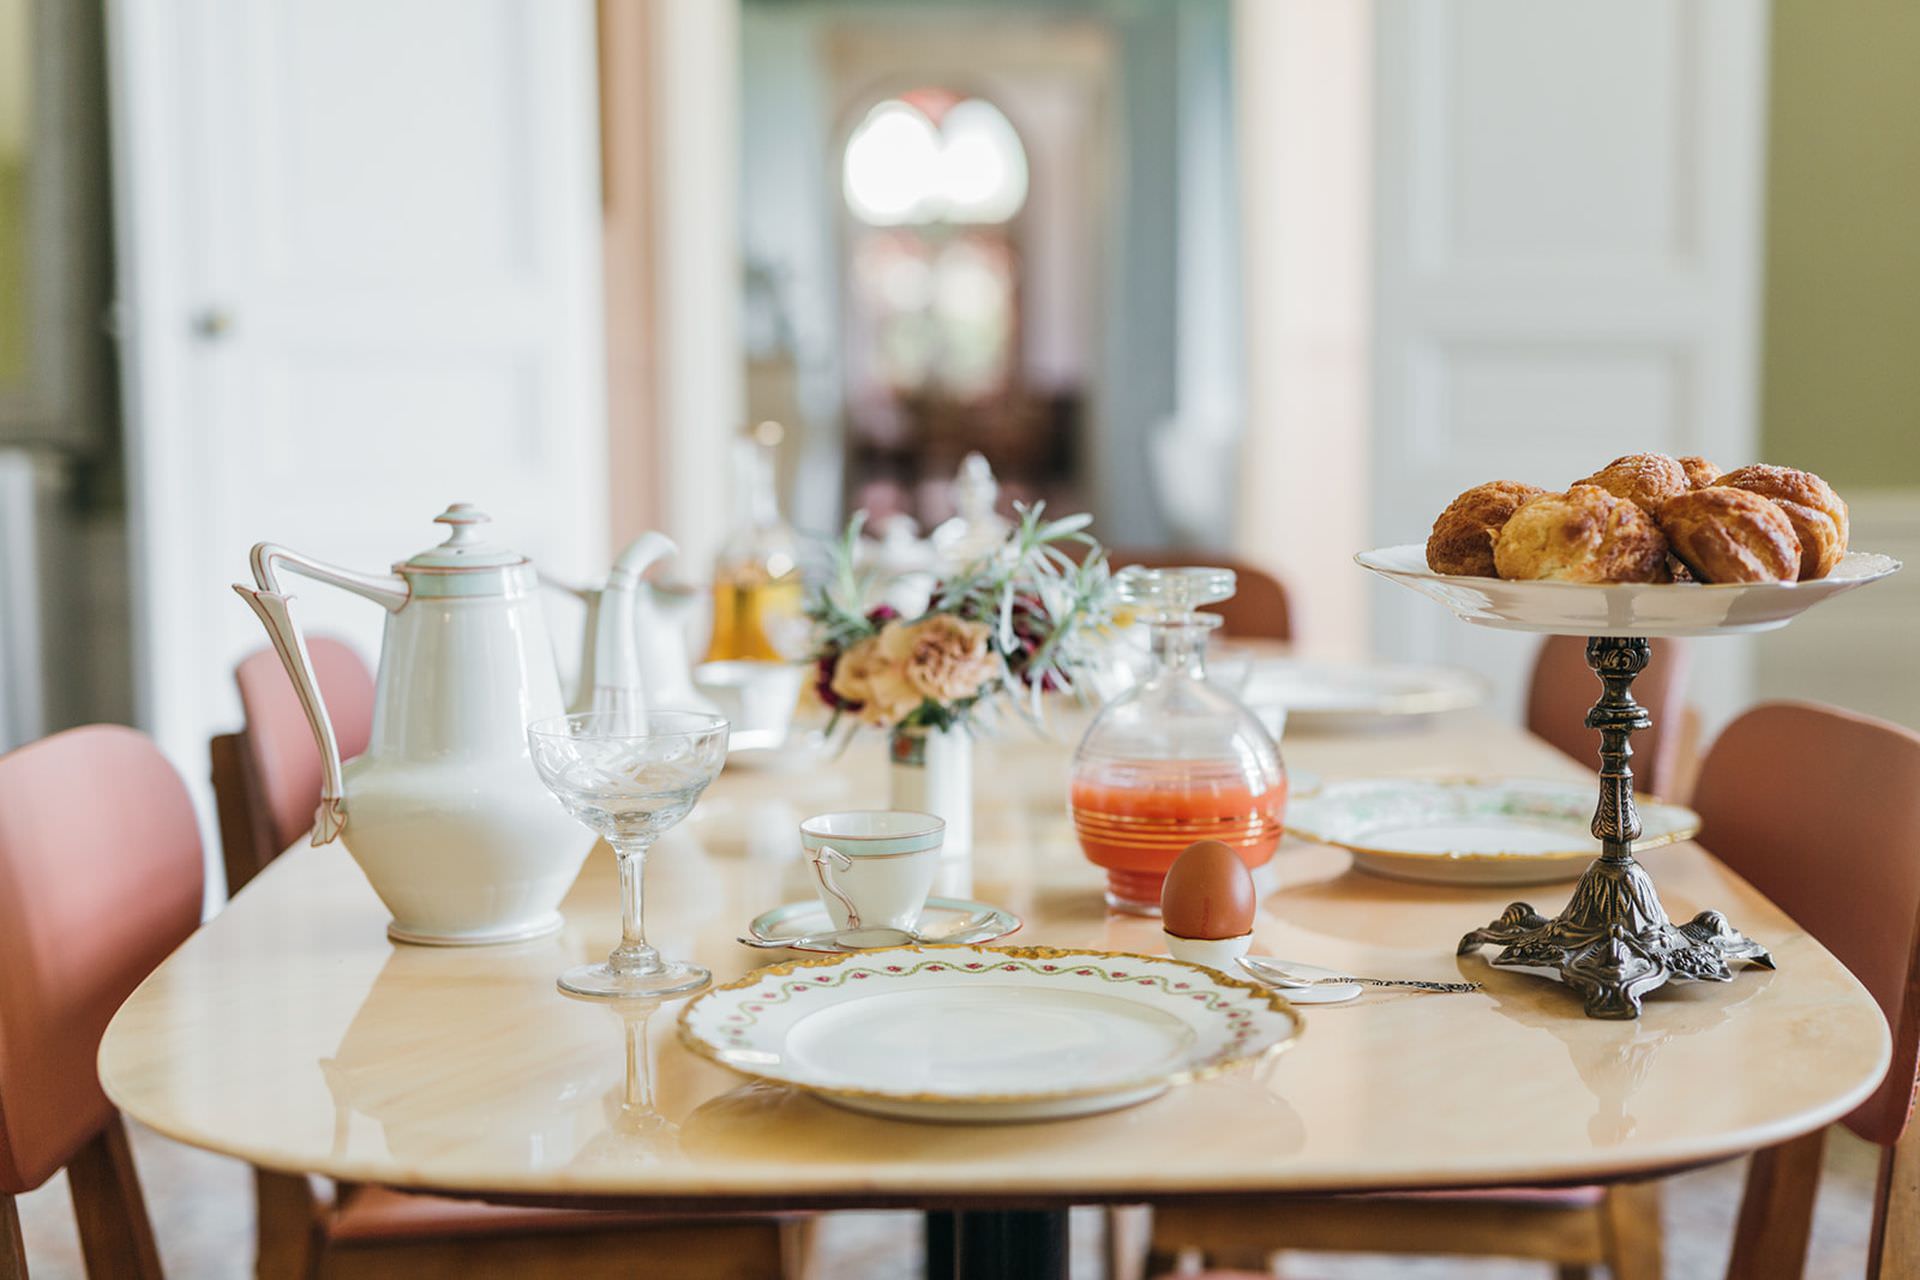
column 824, row 861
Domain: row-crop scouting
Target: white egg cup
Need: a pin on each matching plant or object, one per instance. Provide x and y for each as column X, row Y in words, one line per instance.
column 1214, row 953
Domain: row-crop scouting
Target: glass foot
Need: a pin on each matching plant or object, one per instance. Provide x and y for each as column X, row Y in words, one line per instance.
column 672, row 978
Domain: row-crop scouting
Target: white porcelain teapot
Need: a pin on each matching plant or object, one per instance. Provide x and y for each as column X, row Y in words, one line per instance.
column 444, row 812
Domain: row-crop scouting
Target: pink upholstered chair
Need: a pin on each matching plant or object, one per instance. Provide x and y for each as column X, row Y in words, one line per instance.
column 267, row 782
column 100, row 878
column 1259, row 609
column 1820, row 810
column 1564, row 688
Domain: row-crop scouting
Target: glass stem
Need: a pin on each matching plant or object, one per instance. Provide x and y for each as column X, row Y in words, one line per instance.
column 633, row 955
column 639, row 1071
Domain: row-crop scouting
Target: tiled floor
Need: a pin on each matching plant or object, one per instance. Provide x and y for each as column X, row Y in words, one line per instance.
column 202, row 1211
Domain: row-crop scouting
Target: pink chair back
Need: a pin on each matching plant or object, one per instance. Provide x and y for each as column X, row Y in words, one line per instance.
column 100, row 878
column 1564, row 688
column 1820, row 809
column 285, row 758
column 1259, row 609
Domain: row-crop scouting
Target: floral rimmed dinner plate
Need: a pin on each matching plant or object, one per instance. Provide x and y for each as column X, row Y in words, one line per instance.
column 1470, row 830
column 1623, row 608
column 972, row 1034
column 940, row 918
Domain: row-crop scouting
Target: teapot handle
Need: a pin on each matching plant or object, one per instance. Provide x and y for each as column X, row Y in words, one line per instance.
column 273, row 606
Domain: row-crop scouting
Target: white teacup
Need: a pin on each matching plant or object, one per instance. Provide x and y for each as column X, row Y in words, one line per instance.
column 873, row 868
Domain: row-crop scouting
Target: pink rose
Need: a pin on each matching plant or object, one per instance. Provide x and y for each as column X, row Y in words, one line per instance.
column 871, row 674
column 948, row 658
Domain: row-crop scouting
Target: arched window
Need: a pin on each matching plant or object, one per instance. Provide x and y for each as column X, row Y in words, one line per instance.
column 926, row 157
column 933, row 182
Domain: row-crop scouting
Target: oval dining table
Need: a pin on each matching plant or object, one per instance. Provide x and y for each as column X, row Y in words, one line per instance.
column 291, row 1033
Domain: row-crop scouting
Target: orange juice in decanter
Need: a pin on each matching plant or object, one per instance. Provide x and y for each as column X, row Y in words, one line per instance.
column 1175, row 759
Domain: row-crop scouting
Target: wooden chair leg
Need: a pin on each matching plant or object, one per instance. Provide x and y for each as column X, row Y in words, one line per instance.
column 287, row 1227
column 796, row 1246
column 1127, row 1230
column 1630, row 1230
column 115, row 1236
column 13, row 1247
column 1776, row 1213
column 1573, row 1271
column 1895, row 1249
column 1162, row 1262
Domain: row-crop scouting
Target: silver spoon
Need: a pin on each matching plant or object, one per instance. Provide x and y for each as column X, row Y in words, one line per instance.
column 1269, row 972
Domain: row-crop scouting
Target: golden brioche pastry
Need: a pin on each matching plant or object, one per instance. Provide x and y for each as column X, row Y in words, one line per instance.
column 1644, row 479
column 1583, row 535
column 1819, row 516
column 1462, row 538
column 1700, row 472
column 1731, row 535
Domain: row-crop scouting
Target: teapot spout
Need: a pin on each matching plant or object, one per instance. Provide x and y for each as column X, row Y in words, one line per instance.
column 640, row 555
column 610, row 671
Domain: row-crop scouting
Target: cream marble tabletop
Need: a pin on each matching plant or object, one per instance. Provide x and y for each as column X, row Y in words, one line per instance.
column 291, row 1033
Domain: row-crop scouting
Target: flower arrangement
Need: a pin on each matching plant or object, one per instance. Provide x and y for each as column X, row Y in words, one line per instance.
column 1023, row 619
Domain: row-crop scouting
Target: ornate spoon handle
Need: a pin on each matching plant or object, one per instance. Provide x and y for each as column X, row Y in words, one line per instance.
column 1269, row 972
column 1415, row 984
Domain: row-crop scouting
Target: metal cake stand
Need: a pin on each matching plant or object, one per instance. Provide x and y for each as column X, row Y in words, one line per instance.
column 1614, row 942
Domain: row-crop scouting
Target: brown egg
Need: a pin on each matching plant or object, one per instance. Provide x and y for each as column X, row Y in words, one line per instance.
column 1208, row 893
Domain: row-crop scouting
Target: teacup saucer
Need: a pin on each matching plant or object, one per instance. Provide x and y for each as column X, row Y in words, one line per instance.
column 940, row 918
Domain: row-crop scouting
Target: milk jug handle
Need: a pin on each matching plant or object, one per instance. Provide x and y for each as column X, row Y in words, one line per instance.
column 273, row 606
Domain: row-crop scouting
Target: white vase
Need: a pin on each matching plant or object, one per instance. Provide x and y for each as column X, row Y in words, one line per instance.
column 931, row 771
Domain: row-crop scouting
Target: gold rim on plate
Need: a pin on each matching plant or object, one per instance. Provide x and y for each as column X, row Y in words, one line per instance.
column 1275, row 1003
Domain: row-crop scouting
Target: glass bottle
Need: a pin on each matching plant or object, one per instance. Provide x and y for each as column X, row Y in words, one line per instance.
column 1174, row 759
column 758, row 593
column 977, row 528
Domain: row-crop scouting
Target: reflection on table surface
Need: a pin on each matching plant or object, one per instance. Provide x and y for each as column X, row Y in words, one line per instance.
column 291, row 1032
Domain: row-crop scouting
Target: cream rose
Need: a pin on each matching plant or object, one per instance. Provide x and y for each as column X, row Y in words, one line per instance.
column 948, row 659
column 872, row 674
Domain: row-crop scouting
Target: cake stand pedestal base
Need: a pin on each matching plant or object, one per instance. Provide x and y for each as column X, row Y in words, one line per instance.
column 1614, row 942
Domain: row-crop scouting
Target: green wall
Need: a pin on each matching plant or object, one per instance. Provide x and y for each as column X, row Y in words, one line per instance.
column 1840, row 382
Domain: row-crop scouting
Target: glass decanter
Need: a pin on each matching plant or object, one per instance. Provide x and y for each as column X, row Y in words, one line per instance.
column 1174, row 759
column 757, row 585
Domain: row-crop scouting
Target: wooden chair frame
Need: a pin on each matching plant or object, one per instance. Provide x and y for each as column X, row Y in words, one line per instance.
column 116, row 1237
column 1783, row 1182
column 1621, row 1231
column 246, row 842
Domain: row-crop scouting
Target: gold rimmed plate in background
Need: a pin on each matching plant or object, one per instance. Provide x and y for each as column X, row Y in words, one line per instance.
column 1472, row 830
column 1324, row 696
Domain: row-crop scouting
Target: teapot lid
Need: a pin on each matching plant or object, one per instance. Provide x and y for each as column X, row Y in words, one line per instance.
column 465, row 551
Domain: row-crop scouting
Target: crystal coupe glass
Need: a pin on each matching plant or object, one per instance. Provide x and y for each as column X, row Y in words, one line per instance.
column 630, row 776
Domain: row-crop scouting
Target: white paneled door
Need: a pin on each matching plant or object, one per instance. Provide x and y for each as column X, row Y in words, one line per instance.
column 1567, row 262
column 359, row 280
